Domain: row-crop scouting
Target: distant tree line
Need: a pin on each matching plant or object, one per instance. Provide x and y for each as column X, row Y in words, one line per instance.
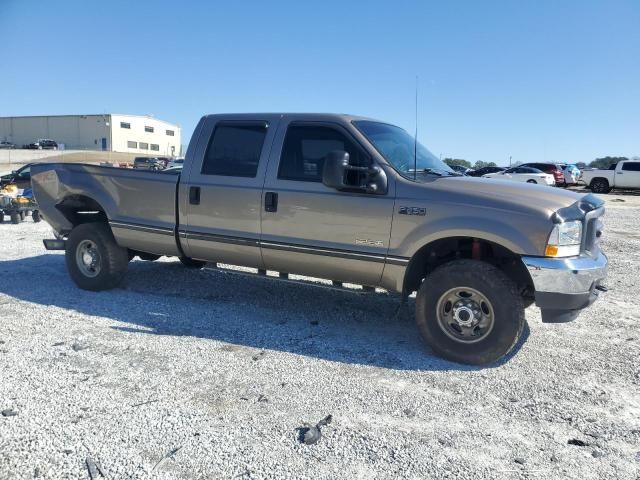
column 467, row 164
column 605, row 162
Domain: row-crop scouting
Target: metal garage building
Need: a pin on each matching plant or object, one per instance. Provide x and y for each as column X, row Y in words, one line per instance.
column 108, row 132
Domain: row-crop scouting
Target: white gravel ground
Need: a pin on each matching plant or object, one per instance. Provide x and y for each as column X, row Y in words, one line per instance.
column 185, row 374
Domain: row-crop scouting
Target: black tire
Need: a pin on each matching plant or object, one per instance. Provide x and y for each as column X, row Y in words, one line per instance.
column 23, row 215
column 15, row 218
column 531, row 180
column 600, row 185
column 191, row 263
column 112, row 260
column 35, row 216
column 504, row 303
column 149, row 257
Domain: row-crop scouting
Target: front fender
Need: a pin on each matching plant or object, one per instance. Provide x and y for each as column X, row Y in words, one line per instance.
column 520, row 234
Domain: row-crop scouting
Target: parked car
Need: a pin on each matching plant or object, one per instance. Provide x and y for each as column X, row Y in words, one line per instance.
column 524, row 174
column 20, row 177
column 550, row 168
column 571, row 173
column 42, row 144
column 148, row 163
column 625, row 174
column 177, row 162
column 339, row 197
column 5, row 144
column 459, row 169
column 173, row 170
column 485, row 170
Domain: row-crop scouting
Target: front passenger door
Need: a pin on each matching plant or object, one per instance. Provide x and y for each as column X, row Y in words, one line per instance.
column 313, row 229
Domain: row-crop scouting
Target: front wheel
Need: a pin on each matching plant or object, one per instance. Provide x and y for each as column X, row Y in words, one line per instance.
column 94, row 260
column 531, row 181
column 470, row 312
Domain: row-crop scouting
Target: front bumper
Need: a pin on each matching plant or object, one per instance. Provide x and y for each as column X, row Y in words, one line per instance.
column 564, row 286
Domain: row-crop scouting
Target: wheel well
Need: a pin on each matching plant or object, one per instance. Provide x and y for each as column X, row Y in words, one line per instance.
column 81, row 209
column 598, row 178
column 439, row 252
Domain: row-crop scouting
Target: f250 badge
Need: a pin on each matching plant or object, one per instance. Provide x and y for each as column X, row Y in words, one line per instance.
column 413, row 211
column 370, row 243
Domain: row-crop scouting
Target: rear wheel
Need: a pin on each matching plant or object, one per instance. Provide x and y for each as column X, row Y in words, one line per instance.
column 600, row 185
column 94, row 260
column 470, row 312
column 35, row 216
column 191, row 263
column 15, row 218
column 23, row 214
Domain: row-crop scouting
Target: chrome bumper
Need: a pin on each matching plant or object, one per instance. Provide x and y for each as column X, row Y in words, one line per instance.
column 566, row 275
column 564, row 286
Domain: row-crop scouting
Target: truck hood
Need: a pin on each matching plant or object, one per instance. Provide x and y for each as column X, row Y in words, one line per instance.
column 502, row 194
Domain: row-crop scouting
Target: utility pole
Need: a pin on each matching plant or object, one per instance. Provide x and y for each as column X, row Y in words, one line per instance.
column 509, row 161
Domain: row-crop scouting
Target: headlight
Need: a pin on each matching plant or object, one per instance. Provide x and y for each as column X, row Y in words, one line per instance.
column 565, row 240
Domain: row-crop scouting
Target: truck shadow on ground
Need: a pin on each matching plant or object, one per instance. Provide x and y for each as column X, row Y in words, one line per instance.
column 165, row 298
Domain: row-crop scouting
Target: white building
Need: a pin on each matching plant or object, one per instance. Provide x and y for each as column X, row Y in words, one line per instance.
column 109, row 132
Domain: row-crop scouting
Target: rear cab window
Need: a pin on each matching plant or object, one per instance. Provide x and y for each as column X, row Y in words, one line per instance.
column 234, row 149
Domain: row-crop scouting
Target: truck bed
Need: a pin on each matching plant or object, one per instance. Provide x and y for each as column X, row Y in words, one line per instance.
column 139, row 205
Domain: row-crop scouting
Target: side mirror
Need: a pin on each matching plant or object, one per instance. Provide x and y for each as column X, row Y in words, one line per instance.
column 338, row 173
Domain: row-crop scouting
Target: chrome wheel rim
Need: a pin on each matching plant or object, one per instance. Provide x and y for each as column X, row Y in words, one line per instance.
column 88, row 258
column 465, row 315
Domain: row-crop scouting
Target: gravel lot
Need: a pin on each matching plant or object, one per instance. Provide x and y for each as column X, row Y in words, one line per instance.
column 208, row 374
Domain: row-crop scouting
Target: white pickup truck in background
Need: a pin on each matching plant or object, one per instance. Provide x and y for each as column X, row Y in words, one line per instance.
column 625, row 175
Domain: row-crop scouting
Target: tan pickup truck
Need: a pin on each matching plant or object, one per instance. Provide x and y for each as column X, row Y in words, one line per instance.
column 348, row 199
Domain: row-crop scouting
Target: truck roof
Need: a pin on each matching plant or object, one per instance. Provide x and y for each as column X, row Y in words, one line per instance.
column 305, row 116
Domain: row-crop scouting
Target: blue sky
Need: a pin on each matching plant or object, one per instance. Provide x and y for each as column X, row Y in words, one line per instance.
column 538, row 80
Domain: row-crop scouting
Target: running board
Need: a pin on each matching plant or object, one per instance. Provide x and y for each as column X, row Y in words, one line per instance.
column 284, row 277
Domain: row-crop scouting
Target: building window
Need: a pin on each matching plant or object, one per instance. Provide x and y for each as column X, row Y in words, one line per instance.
column 131, row 144
column 125, row 125
column 155, row 147
column 170, row 133
column 144, row 146
column 148, row 129
column 234, row 149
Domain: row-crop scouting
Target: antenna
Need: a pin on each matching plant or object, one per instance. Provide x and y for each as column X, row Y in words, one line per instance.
column 415, row 138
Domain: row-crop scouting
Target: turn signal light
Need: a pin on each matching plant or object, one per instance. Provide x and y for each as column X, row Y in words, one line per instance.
column 551, row 251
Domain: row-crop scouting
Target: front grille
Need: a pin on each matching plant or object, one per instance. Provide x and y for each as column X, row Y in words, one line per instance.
column 593, row 232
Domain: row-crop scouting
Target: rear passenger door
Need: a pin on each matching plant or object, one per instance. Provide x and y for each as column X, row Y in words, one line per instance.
column 311, row 229
column 221, row 192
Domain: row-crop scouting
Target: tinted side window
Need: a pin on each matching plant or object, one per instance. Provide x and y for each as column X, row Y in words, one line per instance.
column 305, row 149
column 631, row 166
column 234, row 150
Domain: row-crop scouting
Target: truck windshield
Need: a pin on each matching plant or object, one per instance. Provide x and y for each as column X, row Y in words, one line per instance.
column 397, row 147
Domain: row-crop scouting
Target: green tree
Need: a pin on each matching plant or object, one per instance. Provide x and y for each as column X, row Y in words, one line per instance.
column 457, row 161
column 605, row 162
column 581, row 165
column 480, row 164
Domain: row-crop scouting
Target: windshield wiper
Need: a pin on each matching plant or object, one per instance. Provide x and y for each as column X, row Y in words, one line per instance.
column 426, row 170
